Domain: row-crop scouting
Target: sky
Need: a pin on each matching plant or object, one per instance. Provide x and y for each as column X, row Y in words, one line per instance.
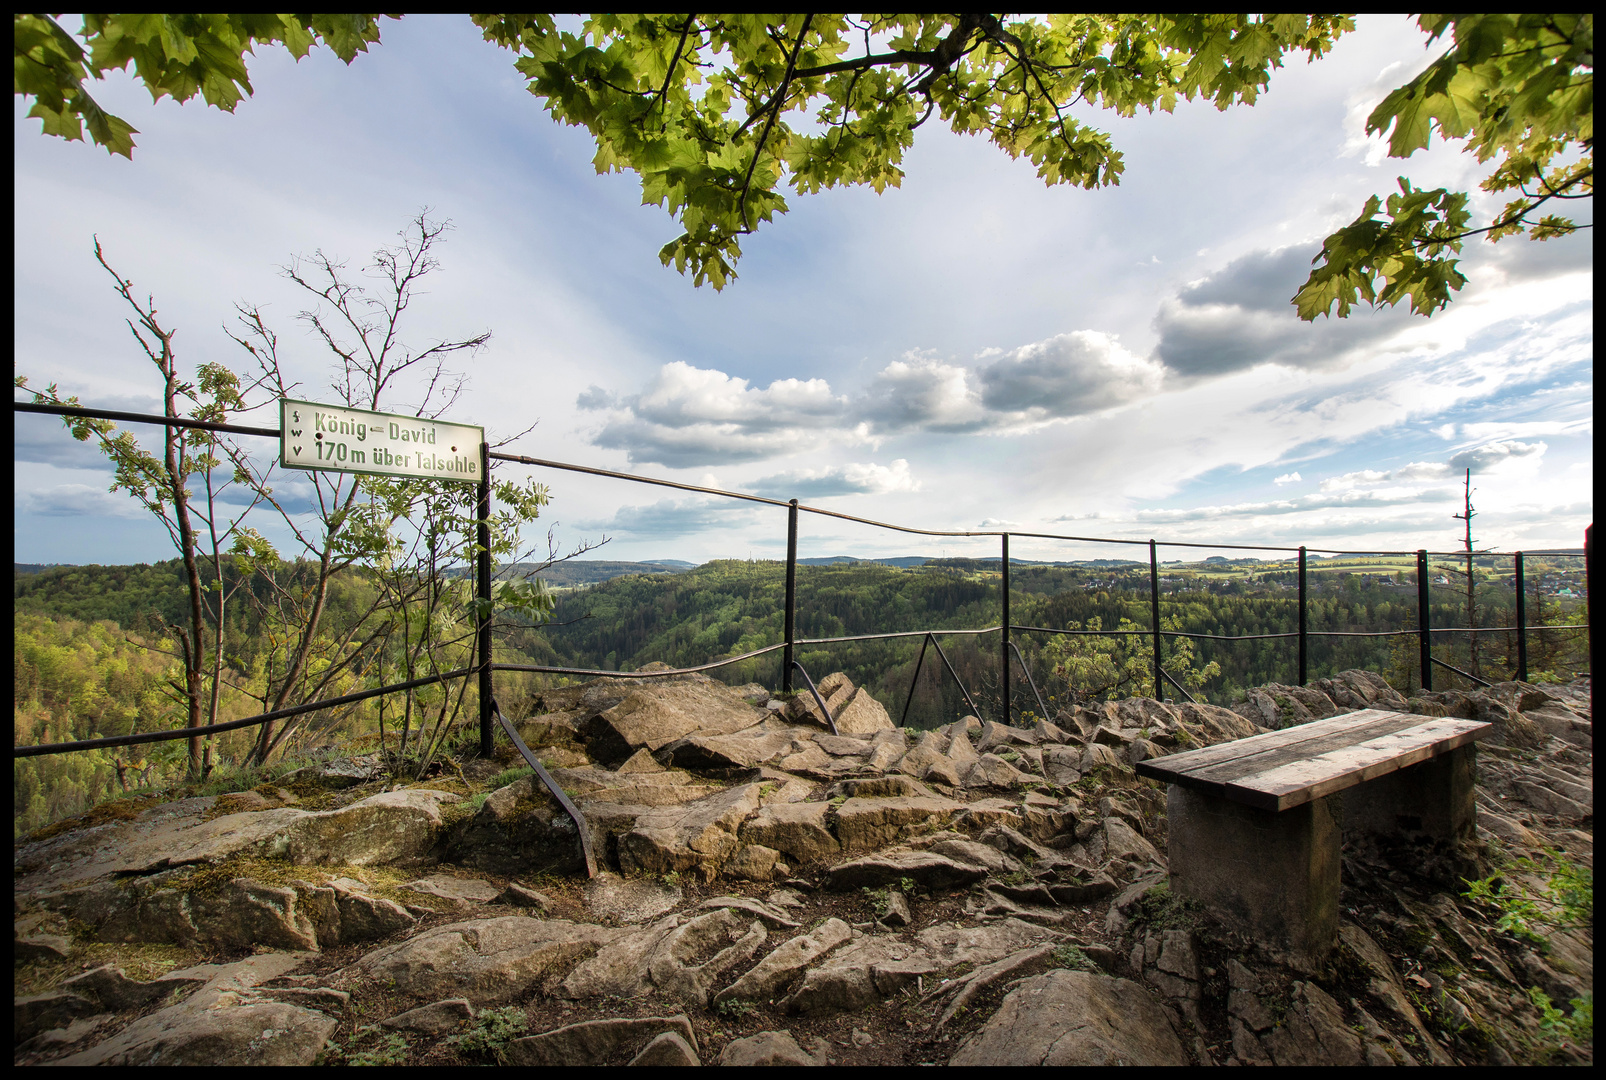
column 971, row 351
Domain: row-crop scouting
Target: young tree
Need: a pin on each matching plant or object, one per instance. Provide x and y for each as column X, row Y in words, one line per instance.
column 406, row 542
column 698, row 106
column 162, row 485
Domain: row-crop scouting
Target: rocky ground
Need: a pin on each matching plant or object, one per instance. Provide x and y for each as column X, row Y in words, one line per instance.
column 776, row 894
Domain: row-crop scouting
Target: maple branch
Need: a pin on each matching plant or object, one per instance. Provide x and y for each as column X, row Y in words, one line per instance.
column 774, row 113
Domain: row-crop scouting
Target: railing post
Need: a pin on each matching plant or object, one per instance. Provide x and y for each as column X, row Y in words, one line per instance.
column 790, row 623
column 1589, row 619
column 1154, row 617
column 1003, row 653
column 1522, row 623
column 482, row 593
column 1424, row 602
column 1304, row 670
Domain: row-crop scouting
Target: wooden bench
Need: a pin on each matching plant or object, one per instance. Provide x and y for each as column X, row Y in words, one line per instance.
column 1254, row 825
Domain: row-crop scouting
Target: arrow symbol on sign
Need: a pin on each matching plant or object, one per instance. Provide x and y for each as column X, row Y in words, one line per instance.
column 295, row 433
column 296, row 450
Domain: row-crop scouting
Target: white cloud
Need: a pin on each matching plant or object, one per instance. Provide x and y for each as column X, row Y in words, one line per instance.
column 1492, row 455
column 850, row 479
column 1344, row 500
column 919, row 392
column 671, row 518
column 1067, row 375
column 690, row 416
column 1354, row 479
column 1288, row 478
column 80, row 500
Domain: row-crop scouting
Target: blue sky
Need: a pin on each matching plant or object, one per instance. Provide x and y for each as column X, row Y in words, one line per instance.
column 973, row 350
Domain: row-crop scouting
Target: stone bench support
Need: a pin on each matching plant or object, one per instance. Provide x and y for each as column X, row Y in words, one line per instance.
column 1432, row 800
column 1272, row 876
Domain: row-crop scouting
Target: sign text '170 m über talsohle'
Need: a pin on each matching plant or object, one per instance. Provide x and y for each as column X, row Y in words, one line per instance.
column 314, row 436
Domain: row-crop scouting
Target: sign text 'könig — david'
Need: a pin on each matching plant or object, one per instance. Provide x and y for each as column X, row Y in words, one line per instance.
column 313, row 436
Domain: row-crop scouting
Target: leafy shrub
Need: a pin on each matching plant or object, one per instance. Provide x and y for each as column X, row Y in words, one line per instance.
column 1566, row 902
column 492, row 1030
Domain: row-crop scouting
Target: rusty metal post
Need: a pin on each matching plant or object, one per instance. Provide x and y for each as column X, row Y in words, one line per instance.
column 1522, row 622
column 1154, row 618
column 1424, row 602
column 482, row 511
column 1003, row 652
column 1304, row 670
column 790, row 618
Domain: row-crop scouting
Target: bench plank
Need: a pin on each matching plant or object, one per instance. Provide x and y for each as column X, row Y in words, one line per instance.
column 1301, row 782
column 1283, row 769
column 1252, row 761
column 1299, row 733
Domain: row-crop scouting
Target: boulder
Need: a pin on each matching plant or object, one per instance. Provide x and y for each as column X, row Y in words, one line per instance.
column 862, row 715
column 223, row 1023
column 776, row 971
column 680, row 957
column 697, row 837
column 932, row 748
column 992, row 771
column 754, row 862
column 766, row 1048
column 657, row 714
column 1097, row 755
column 390, row 827
column 461, row 891
column 745, row 750
column 487, row 961
column 927, row 869
column 1313, row 1032
column 836, row 688
column 115, row 991
column 994, row 736
column 1074, row 1018
column 519, row 829
column 369, row 918
column 866, row 823
column 798, row 829
column 1121, row 841
column 436, row 1018
column 516, row 895
column 597, row 1042
column 667, row 1048
column 1220, row 725
column 237, row 914
column 630, row 900
column 859, row 976
column 768, row 914
column 970, row 852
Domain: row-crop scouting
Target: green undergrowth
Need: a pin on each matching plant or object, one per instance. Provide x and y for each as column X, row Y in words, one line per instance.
column 492, row 1030
column 389, row 1049
column 1564, row 901
column 1162, row 909
column 115, row 810
column 1072, row 957
column 508, row 776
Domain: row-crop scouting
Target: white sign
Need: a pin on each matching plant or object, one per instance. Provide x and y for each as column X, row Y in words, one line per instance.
column 313, row 436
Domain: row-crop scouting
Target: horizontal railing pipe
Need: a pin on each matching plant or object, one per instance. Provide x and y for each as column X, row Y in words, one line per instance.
column 233, row 725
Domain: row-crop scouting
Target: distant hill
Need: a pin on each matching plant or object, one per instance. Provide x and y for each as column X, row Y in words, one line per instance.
column 37, row 568
column 591, row 571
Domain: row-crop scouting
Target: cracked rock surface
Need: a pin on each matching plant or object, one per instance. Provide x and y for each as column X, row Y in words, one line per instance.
column 771, row 893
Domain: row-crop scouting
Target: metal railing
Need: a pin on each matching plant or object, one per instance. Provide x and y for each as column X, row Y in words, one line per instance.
column 486, row 666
